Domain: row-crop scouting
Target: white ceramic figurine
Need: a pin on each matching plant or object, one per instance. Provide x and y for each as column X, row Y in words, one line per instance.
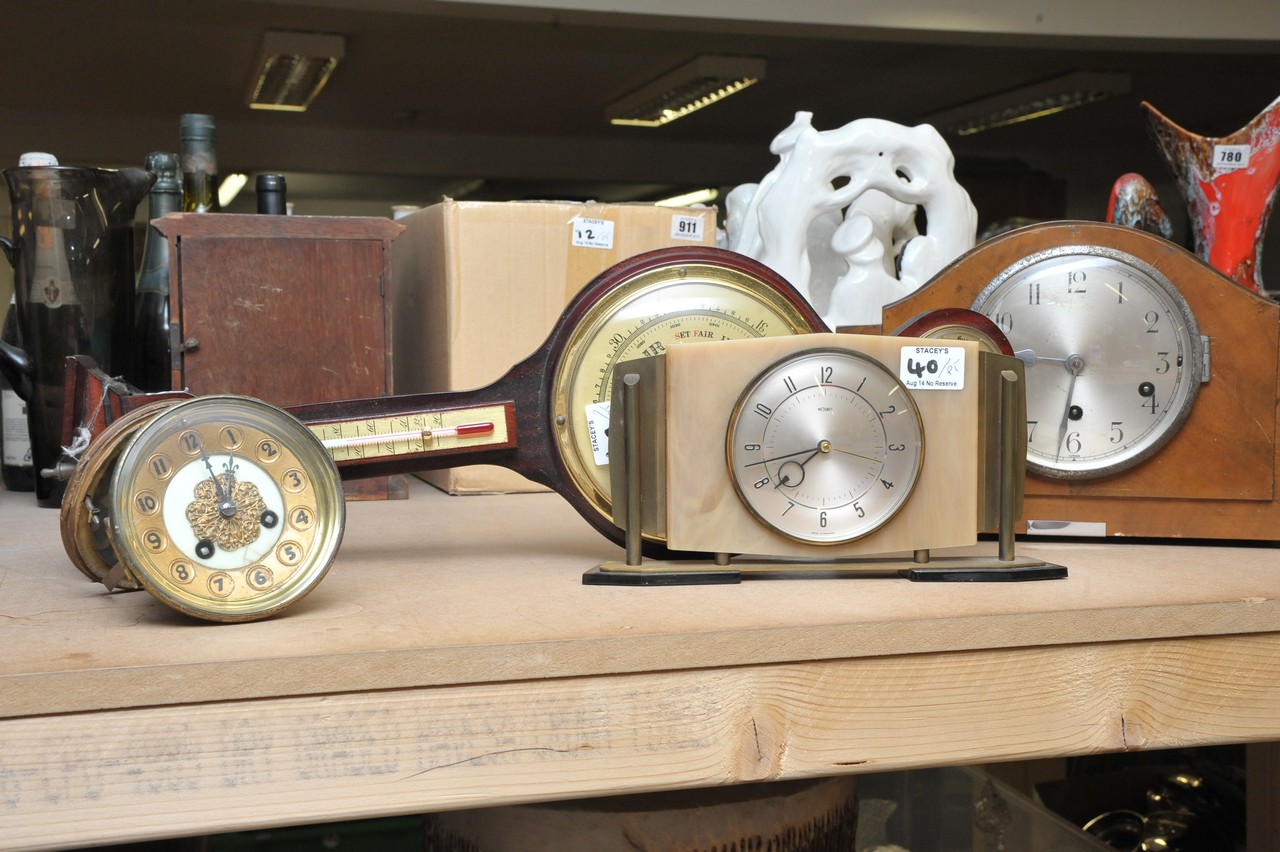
column 837, row 216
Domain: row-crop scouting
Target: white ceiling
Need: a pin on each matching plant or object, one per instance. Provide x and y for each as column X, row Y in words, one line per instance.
column 506, row 101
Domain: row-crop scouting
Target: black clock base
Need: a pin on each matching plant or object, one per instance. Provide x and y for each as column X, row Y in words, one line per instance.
column 952, row 570
column 657, row 573
column 989, row 574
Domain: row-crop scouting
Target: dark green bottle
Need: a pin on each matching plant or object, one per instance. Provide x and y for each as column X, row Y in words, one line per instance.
column 152, row 369
column 199, row 164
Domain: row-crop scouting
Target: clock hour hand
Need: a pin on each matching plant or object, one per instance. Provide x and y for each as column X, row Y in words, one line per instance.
column 813, row 451
column 792, row 472
column 226, row 506
column 1030, row 357
column 1075, row 364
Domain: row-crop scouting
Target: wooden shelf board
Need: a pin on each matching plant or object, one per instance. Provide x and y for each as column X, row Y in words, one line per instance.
column 439, row 590
column 453, row 659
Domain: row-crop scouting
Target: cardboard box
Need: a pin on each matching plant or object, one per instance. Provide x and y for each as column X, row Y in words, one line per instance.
column 479, row 286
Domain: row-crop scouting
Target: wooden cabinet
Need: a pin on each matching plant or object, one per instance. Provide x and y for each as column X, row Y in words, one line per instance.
column 288, row 309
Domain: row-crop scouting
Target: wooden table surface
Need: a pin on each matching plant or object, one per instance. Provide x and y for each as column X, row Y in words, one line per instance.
column 452, row 658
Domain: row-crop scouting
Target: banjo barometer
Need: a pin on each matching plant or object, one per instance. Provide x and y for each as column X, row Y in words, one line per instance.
column 546, row 419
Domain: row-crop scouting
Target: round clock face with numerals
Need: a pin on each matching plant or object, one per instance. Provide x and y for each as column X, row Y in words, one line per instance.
column 825, row 446
column 1113, row 357
column 692, row 299
column 226, row 508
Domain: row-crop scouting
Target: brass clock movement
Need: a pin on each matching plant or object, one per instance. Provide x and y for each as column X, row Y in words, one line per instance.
column 1152, row 380
column 546, row 419
column 226, row 508
column 86, row 505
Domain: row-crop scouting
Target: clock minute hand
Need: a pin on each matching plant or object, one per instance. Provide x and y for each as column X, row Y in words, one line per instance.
column 223, row 494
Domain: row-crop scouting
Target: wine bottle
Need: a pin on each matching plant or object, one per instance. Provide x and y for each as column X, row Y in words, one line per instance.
column 152, row 370
column 271, row 190
column 17, row 470
column 199, row 164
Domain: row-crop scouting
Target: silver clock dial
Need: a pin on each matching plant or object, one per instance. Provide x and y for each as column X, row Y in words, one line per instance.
column 825, row 446
column 1113, row 356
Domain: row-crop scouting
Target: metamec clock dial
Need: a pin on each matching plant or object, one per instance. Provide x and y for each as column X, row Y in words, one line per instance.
column 1113, row 357
column 226, row 508
column 825, row 446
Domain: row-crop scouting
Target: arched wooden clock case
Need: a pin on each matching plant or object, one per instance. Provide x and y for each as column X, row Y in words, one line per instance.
column 1217, row 476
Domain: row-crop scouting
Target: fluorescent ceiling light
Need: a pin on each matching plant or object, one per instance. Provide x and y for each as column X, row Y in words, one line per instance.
column 1027, row 102
column 292, row 69
column 688, row 199
column 230, row 188
column 694, row 85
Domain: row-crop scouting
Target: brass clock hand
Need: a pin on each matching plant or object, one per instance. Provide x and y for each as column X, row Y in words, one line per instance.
column 226, row 507
column 858, row 455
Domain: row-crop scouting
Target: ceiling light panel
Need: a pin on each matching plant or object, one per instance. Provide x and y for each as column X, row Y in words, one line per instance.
column 1030, row 102
column 681, row 91
column 292, row 68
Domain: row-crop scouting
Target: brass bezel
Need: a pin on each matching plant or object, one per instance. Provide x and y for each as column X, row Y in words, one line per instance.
column 674, row 276
column 299, row 449
column 901, row 498
column 86, row 506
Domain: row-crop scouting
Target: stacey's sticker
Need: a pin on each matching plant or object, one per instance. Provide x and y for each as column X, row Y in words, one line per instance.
column 932, row 367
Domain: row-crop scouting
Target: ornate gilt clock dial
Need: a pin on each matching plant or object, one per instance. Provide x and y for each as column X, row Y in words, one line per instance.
column 1114, row 359
column 825, row 446
column 226, row 508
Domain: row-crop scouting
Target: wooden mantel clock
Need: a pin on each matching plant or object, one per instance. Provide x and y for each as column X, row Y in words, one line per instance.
column 1152, row 380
